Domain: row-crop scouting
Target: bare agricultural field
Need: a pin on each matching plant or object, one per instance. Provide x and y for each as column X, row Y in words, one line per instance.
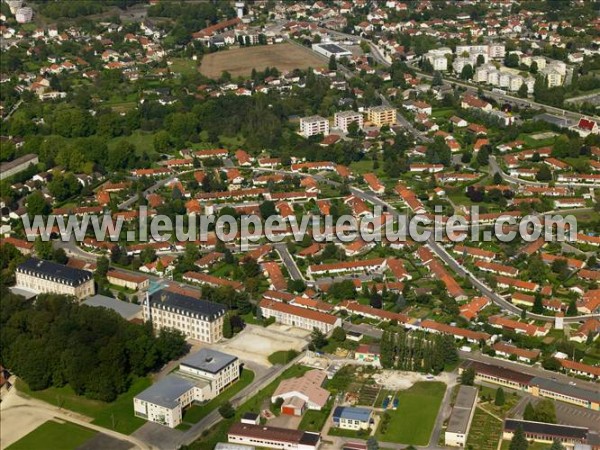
column 241, row 61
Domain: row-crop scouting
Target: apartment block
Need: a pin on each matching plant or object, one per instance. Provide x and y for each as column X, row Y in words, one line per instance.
column 313, row 125
column 342, row 119
column 382, row 115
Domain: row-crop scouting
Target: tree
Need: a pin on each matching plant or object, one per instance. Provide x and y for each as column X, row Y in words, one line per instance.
column 466, row 72
column 467, row 378
column 511, row 60
column 267, row 209
column 480, row 60
column 499, row 400
column 518, row 441
column 538, row 306
column 338, row 334
column 227, row 410
column 437, row 79
column 372, row 443
column 317, row 339
column 556, row 445
column 332, row 63
column 102, row 266
column 37, row 205
column 572, row 309
column 227, row 330
column 551, row 363
column 529, row 412
column 483, row 156
column 545, row 411
column 43, row 249
column 522, row 92
column 544, row 174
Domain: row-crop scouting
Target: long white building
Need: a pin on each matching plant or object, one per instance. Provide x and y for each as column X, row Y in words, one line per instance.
column 200, row 378
column 313, row 125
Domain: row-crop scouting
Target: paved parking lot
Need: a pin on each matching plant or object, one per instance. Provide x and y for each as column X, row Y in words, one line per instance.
column 256, row 343
column 565, row 414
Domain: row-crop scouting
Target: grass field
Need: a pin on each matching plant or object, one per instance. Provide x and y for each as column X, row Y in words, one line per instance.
column 54, row 436
column 241, row 61
column 121, row 410
column 196, row 412
column 184, row 66
column 282, row 357
column 143, row 141
column 414, row 419
column 314, row 420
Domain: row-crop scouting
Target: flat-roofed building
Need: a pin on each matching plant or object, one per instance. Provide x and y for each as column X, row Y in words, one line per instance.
column 128, row 311
column 218, row 367
column 273, row 437
column 330, row 49
column 342, row 119
column 47, row 277
column 200, row 378
column 195, row 318
column 382, row 115
column 461, row 417
column 313, row 125
column 8, row 169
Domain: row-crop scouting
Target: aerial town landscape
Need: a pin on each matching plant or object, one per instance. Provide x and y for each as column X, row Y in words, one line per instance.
column 299, row 225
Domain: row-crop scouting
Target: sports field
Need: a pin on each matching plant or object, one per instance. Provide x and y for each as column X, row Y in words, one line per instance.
column 241, row 61
column 54, row 436
column 413, row 421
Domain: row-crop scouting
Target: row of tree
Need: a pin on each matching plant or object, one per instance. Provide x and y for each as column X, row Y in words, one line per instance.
column 417, row 351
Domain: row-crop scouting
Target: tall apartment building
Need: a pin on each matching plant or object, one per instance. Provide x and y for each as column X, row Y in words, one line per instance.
column 47, row 277
column 489, row 51
column 196, row 319
column 200, row 378
column 382, row 115
column 437, row 58
column 342, row 119
column 312, row 125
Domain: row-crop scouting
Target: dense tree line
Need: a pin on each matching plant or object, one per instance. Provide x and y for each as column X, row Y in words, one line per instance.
column 57, row 342
column 417, row 352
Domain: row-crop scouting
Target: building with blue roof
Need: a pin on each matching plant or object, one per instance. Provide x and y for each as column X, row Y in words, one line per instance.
column 351, row 418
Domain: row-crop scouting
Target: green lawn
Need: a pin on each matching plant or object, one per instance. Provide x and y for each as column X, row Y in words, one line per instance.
column 414, row 419
column 282, row 357
column 121, row 410
column 532, row 446
column 143, row 141
column 218, row 433
column 196, row 412
column 314, row 420
column 54, row 436
column 184, row 66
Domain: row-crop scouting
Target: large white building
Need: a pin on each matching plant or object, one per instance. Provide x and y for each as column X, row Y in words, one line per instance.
column 46, row 277
column 488, row 51
column 196, row 319
column 313, row 125
column 438, row 58
column 342, row 119
column 200, row 378
column 24, row 15
column 329, row 49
